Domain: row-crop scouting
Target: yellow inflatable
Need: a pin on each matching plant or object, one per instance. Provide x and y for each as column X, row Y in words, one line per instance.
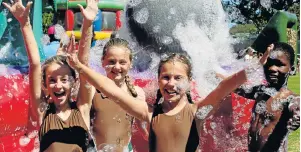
column 97, row 35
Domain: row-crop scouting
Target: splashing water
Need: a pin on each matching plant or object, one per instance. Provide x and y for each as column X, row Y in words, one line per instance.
column 182, row 86
column 133, row 3
column 106, row 147
column 23, row 141
column 59, row 31
column 270, row 91
column 203, row 111
column 45, row 39
column 266, row 3
column 141, row 16
column 276, row 105
column 260, row 107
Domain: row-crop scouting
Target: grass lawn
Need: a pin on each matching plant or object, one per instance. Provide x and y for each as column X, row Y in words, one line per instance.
column 294, row 137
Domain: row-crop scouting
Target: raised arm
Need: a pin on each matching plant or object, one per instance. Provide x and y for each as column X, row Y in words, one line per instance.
column 21, row 13
column 131, row 105
column 86, row 91
column 210, row 103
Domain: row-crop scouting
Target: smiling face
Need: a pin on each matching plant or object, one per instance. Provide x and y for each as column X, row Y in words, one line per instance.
column 277, row 68
column 117, row 62
column 173, row 80
column 59, row 82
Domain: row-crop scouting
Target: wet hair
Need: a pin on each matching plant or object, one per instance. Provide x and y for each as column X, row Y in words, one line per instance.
column 59, row 59
column 193, row 139
column 118, row 42
column 286, row 49
column 180, row 57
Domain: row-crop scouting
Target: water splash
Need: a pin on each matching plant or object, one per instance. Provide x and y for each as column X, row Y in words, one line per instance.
column 59, row 31
column 141, row 16
column 203, row 111
column 266, row 3
column 45, row 39
column 260, row 107
column 132, row 3
column 24, row 141
column 106, row 148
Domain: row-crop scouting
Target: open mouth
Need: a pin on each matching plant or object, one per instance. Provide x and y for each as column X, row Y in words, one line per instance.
column 171, row 92
column 59, row 94
column 116, row 73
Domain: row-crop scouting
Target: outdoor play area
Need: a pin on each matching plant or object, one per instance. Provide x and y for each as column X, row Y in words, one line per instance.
column 221, row 37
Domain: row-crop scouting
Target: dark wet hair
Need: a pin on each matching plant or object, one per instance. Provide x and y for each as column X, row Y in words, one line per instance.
column 287, row 49
column 59, row 59
column 193, row 139
column 118, row 42
column 180, row 57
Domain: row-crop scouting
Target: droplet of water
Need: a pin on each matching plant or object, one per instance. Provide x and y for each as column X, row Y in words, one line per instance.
column 141, row 16
column 59, row 31
column 23, row 141
column 260, row 107
column 266, row 3
column 172, row 11
column 276, row 105
column 43, row 106
column 156, row 29
column 203, row 111
column 106, row 148
column 133, row 3
column 166, row 40
column 65, row 39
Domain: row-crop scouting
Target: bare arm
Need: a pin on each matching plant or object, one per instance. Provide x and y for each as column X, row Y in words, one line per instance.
column 223, row 89
column 22, row 15
column 294, row 109
column 131, row 105
column 86, row 91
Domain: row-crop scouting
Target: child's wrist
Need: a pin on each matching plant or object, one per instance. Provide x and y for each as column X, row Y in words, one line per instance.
column 26, row 23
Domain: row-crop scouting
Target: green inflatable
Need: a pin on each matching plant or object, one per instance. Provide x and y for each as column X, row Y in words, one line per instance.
column 275, row 30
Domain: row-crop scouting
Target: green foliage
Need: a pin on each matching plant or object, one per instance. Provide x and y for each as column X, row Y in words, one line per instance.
column 296, row 10
column 256, row 12
column 47, row 21
column 243, row 28
column 294, row 137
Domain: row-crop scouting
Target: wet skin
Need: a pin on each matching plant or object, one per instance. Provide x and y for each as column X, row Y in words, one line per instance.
column 277, row 69
column 269, row 126
column 112, row 125
column 59, row 82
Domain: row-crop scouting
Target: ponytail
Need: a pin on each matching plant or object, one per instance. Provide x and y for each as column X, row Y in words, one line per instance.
column 130, row 86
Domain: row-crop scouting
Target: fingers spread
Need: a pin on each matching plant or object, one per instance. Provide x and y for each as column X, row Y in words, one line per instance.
column 80, row 7
column 7, row 6
column 28, row 6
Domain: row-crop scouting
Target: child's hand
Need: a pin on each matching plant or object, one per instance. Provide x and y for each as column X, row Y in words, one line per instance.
column 19, row 11
column 72, row 58
column 90, row 12
column 266, row 54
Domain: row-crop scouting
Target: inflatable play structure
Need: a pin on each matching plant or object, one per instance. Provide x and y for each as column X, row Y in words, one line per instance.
column 107, row 20
column 14, row 97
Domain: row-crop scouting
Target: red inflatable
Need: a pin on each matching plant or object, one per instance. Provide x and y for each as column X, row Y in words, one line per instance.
column 14, row 100
column 69, row 20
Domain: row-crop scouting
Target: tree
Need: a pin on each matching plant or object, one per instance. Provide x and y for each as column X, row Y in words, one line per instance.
column 258, row 12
